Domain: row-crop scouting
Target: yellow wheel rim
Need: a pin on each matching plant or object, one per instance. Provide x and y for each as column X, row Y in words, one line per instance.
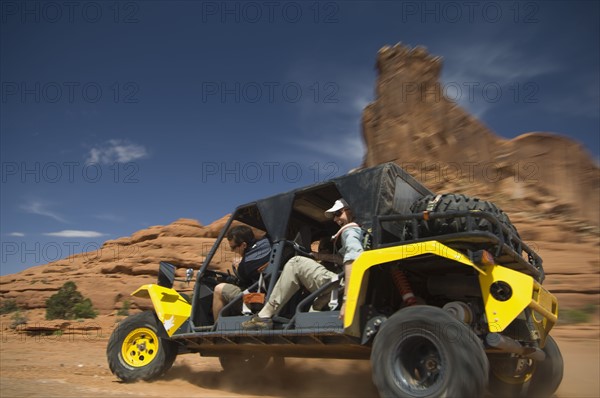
column 140, row 347
column 514, row 380
column 520, row 379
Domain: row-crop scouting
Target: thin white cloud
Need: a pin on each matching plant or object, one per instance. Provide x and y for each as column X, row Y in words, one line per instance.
column 503, row 62
column 116, row 151
column 518, row 75
column 348, row 148
column 331, row 91
column 360, row 101
column 477, row 76
column 40, row 208
column 343, row 92
column 17, row 234
column 71, row 233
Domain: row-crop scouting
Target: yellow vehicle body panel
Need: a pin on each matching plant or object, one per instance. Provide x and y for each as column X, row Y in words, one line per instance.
column 170, row 307
column 501, row 313
column 526, row 291
column 370, row 258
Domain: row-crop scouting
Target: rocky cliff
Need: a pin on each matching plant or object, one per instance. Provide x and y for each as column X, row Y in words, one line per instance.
column 120, row 266
column 412, row 123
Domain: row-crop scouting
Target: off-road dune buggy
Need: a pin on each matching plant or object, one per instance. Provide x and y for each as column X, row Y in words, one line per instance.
column 445, row 301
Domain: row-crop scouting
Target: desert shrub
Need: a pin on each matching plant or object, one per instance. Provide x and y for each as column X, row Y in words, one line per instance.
column 85, row 309
column 576, row 315
column 69, row 303
column 124, row 310
column 8, row 306
column 18, row 319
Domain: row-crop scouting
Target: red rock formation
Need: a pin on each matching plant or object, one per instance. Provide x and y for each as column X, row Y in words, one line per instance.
column 412, row 123
column 120, row 266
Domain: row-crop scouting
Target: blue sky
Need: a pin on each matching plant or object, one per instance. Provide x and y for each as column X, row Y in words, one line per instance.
column 120, row 115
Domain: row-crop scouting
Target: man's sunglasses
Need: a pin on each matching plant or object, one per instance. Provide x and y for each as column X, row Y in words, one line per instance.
column 338, row 213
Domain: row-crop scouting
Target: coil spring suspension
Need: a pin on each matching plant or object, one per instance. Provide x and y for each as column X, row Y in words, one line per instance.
column 403, row 286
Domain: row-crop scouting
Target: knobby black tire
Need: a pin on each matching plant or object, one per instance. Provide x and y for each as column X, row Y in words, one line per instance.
column 504, row 379
column 163, row 360
column 544, row 376
column 457, row 202
column 548, row 373
column 423, row 351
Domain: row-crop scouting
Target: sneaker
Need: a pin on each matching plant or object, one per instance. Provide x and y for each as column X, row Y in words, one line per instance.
column 257, row 323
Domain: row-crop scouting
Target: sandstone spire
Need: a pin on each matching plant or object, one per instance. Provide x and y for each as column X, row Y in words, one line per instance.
column 412, row 123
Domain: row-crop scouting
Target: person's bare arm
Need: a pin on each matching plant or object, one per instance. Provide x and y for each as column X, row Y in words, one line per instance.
column 347, row 271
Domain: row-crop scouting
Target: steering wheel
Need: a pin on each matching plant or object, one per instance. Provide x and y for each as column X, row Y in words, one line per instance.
column 235, row 271
column 301, row 250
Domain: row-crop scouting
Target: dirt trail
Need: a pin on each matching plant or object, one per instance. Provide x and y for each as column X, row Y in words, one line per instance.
column 75, row 366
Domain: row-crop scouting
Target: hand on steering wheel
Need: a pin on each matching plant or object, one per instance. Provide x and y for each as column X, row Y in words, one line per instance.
column 236, row 275
column 301, row 250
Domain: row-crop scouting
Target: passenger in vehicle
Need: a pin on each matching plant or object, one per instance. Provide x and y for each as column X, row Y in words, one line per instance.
column 255, row 256
column 302, row 271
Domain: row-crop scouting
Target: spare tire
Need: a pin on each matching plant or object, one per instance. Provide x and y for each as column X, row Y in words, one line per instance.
column 451, row 202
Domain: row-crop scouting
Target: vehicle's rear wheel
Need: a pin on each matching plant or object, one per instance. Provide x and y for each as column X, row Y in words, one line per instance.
column 512, row 376
column 423, row 351
column 456, row 202
column 139, row 349
column 509, row 374
column 548, row 373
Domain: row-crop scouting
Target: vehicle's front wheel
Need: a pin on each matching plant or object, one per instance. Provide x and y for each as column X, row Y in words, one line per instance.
column 423, row 351
column 139, row 348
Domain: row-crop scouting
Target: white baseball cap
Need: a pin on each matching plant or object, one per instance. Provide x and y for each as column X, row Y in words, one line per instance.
column 338, row 205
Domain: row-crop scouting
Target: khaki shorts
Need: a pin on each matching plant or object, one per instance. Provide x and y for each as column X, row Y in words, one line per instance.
column 230, row 292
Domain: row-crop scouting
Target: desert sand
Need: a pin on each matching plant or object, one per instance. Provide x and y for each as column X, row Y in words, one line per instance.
column 74, row 365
